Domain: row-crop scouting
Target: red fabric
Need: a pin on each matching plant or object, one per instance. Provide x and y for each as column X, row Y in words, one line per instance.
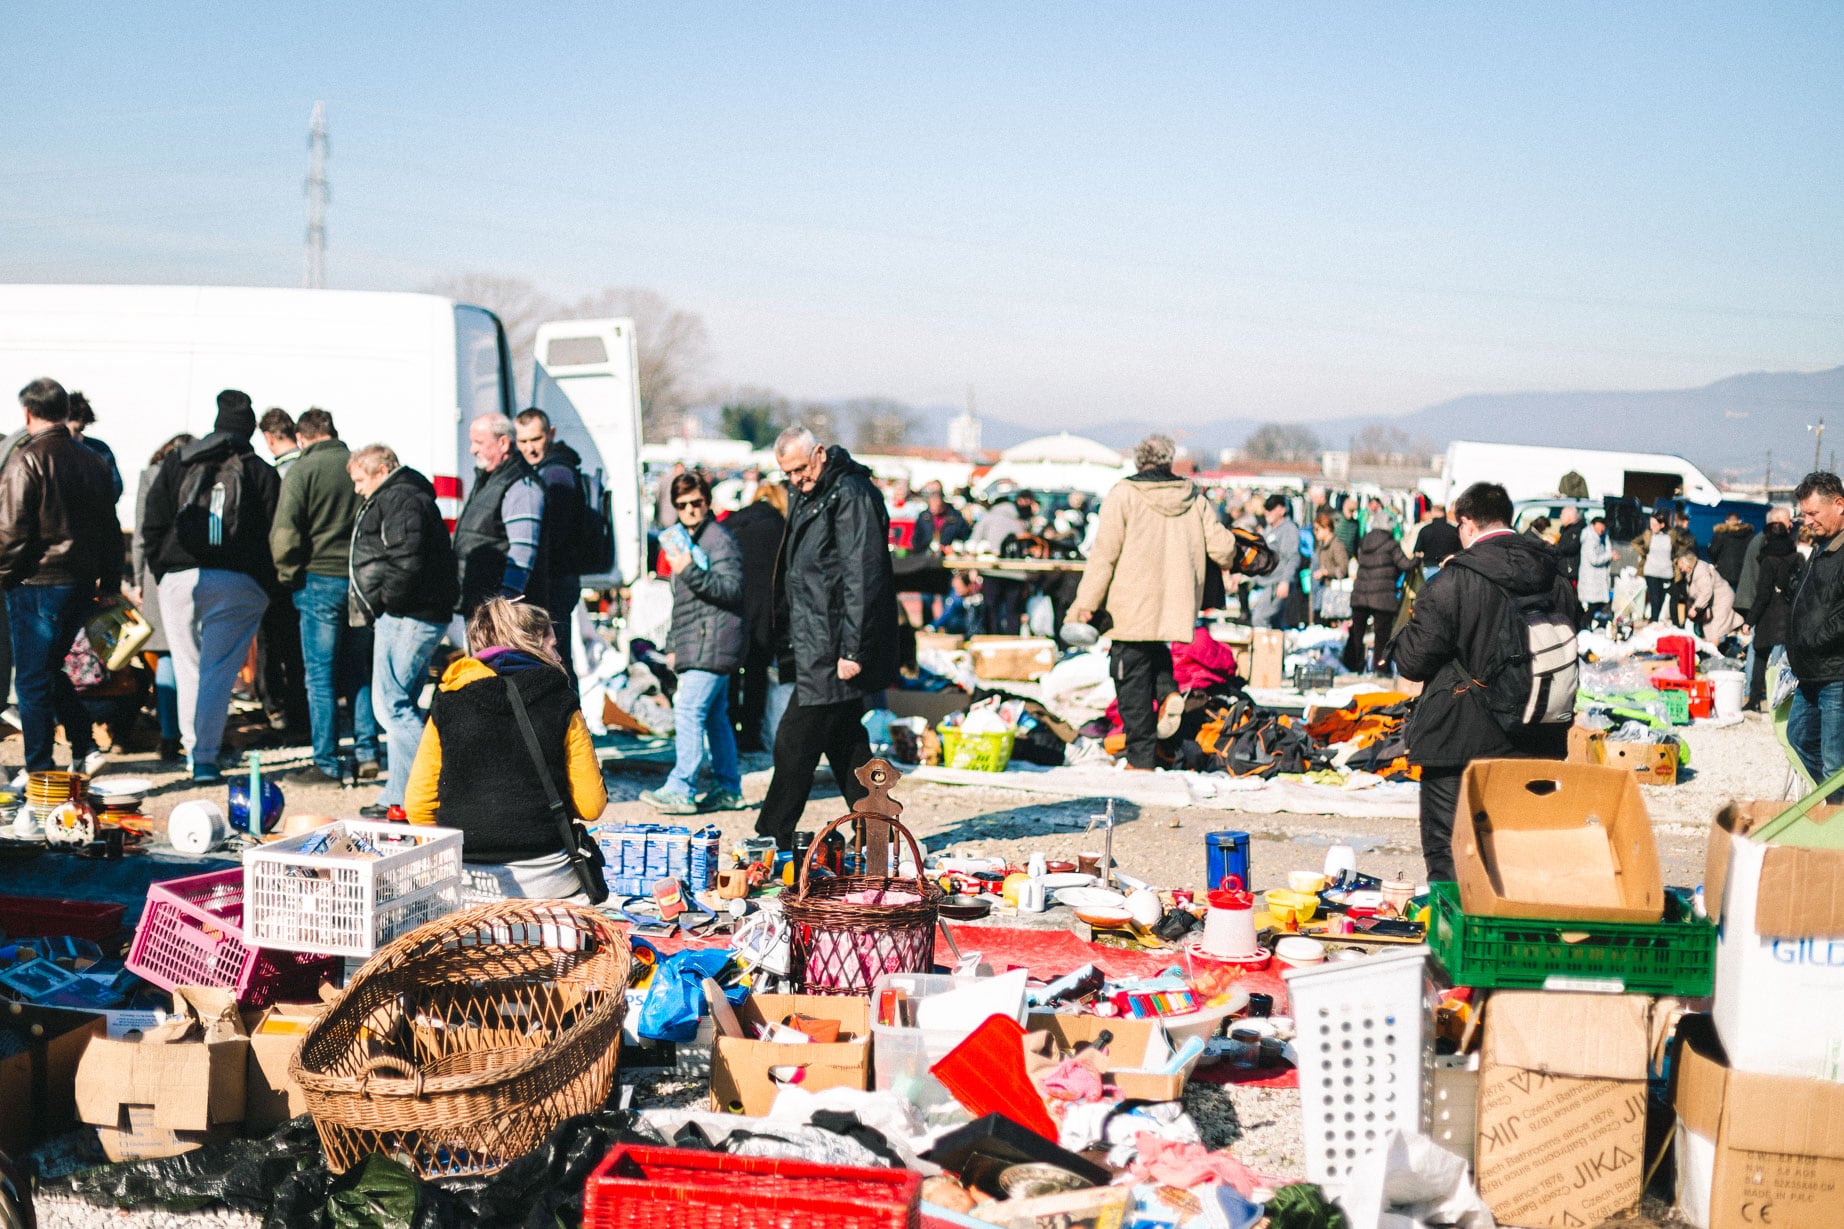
column 1205, row 662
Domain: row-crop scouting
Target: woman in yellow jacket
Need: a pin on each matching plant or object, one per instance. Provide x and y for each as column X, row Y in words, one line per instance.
column 474, row 772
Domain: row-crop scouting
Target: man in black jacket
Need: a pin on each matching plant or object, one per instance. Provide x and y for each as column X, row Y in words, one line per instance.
column 1454, row 640
column 559, row 467
column 1815, row 633
column 205, row 534
column 403, row 584
column 835, row 624
column 757, row 528
column 59, row 544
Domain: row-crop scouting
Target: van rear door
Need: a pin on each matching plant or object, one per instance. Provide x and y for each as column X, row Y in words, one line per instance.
column 586, row 377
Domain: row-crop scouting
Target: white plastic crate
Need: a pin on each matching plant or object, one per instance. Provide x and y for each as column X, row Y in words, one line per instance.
column 349, row 906
column 1364, row 1034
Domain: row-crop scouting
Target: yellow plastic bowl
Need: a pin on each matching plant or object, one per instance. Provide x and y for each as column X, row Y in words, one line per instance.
column 1302, row 906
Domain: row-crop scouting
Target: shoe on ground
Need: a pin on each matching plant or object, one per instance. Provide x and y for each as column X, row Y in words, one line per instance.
column 669, row 804
column 207, row 774
column 1171, row 714
column 311, row 775
column 20, row 781
column 722, row 800
column 170, row 750
column 375, row 811
column 369, row 770
column 92, row 763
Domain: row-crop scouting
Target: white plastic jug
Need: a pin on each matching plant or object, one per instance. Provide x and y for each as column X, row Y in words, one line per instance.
column 1731, row 688
column 1229, row 925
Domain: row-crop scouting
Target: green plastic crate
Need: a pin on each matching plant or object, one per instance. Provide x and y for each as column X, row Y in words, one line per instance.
column 1677, row 956
column 1677, row 704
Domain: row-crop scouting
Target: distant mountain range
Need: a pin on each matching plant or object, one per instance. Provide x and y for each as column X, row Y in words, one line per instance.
column 1727, row 428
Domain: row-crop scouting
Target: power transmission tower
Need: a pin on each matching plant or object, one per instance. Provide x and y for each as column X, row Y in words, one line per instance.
column 314, row 275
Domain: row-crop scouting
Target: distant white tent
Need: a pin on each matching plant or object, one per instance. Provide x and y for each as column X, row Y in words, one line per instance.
column 1062, row 449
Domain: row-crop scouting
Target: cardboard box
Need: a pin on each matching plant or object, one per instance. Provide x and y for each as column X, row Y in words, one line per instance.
column 1755, row 1150
column 1587, row 746
column 1267, row 652
column 38, row 1086
column 1024, row 658
column 1650, row 763
column 270, row 1098
column 941, row 642
column 1779, row 997
column 1121, row 1066
column 740, row 1081
column 1562, row 1106
column 1565, row 842
column 181, row 1084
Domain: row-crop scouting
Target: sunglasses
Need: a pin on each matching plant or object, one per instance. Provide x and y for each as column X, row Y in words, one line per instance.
column 689, row 503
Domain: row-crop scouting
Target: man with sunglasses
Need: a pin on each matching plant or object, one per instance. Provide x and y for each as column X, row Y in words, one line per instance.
column 835, row 623
column 1815, row 635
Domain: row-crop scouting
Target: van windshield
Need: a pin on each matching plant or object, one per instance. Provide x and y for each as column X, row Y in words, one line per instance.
column 482, row 383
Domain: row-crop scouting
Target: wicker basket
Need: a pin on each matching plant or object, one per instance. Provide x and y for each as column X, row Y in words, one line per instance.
column 845, row 934
column 460, row 1045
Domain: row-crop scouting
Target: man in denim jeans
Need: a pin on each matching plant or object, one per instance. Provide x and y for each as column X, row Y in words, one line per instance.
column 404, row 584
column 1815, row 639
column 58, row 544
column 312, row 544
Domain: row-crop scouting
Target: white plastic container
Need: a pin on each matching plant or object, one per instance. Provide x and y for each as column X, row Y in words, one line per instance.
column 350, row 906
column 1364, row 1034
column 1731, row 687
column 901, row 1057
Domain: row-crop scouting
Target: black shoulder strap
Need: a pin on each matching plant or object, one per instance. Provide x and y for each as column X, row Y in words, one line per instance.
column 566, row 824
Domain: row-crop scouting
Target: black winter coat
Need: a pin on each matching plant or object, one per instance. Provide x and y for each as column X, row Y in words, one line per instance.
column 757, row 530
column 1379, row 562
column 564, row 512
column 1568, row 549
column 248, row 549
column 1729, row 550
column 1452, row 640
column 708, row 632
column 1777, row 564
column 402, row 561
column 1815, row 636
column 835, row 594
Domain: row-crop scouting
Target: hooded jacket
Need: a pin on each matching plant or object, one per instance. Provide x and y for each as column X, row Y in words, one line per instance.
column 312, row 533
column 1451, row 642
column 248, row 550
column 756, row 530
column 564, row 512
column 1146, row 565
column 707, row 605
column 1380, row 562
column 1815, row 634
column 402, row 563
column 57, row 515
column 835, row 594
column 1776, row 576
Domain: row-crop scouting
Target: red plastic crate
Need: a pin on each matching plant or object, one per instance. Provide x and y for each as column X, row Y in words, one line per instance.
column 34, row 917
column 191, row 934
column 648, row 1188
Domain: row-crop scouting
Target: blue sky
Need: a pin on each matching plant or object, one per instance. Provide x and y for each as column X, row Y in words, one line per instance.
column 1160, row 212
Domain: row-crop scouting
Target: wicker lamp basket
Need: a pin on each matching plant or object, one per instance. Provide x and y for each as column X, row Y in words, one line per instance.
column 847, row 931
column 461, row 1044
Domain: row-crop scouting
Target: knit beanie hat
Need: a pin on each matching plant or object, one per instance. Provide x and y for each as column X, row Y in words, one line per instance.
column 235, row 414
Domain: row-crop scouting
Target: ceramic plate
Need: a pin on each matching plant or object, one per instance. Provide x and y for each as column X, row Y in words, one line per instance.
column 1097, row 915
column 1069, row 879
column 1091, row 898
column 121, row 787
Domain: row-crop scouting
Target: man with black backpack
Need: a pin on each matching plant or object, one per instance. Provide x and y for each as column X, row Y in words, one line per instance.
column 1493, row 640
column 205, row 534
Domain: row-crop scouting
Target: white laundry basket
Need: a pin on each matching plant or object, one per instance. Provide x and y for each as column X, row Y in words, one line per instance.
column 1364, row 1034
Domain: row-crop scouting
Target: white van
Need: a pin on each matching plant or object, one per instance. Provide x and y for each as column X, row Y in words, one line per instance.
column 408, row 370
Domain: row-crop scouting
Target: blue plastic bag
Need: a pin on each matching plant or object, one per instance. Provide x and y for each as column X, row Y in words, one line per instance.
column 675, row 1000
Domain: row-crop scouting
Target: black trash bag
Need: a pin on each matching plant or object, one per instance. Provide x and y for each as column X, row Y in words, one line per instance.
column 241, row 1174
column 379, row 1194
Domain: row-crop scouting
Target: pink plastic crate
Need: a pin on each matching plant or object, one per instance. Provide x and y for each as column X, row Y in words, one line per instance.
column 191, row 934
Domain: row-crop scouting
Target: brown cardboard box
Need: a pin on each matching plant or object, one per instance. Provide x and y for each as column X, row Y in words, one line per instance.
column 38, row 1087
column 1650, row 763
column 1562, row 1106
column 1587, row 746
column 1125, row 1053
column 182, row 1083
column 270, row 1098
column 1267, row 652
column 1567, row 842
column 1755, row 1150
column 1011, row 657
column 739, row 1065
column 944, row 642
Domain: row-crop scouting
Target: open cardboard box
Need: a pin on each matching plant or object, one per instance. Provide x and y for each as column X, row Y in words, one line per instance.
column 38, row 1085
column 270, row 1097
column 1754, row 1150
column 179, row 1086
column 1121, row 1065
column 1562, row 1106
column 1565, row 842
column 1011, row 658
column 740, row 1080
column 1779, row 998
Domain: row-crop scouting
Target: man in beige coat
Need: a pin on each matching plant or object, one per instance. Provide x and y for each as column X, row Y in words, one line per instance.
column 1147, row 569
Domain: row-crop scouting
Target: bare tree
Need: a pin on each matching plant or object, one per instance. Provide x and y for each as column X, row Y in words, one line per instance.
column 674, row 345
column 879, row 424
column 1281, row 442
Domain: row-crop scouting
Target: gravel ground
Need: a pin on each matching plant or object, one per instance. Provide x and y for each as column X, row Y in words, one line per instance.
column 1163, row 845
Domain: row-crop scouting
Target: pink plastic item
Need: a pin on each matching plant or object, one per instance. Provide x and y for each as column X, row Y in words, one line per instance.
column 191, row 934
